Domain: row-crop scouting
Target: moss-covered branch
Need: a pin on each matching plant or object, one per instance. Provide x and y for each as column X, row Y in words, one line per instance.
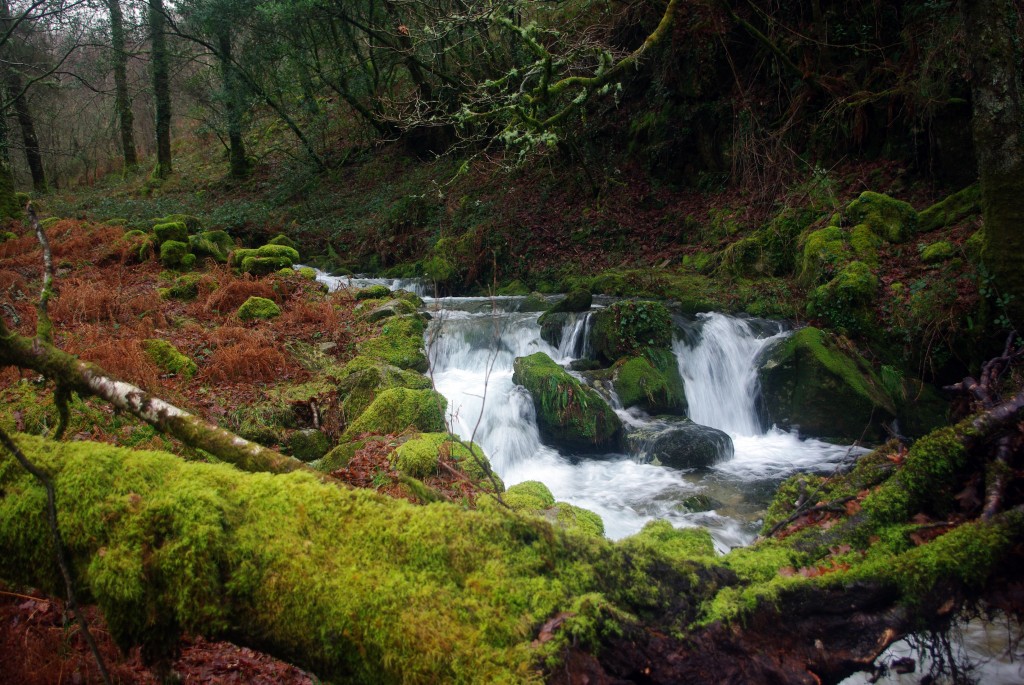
column 72, row 374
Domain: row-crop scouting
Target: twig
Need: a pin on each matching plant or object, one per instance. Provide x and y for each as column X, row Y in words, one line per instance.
column 61, row 553
column 834, row 505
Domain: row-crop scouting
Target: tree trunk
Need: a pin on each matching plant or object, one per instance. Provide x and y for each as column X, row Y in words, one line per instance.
column 232, row 105
column 8, row 202
column 122, row 101
column 161, row 86
column 16, row 98
column 998, row 118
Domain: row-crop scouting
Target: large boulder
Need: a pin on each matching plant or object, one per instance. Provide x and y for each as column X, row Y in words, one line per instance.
column 363, row 378
column 569, row 414
column 400, row 343
column 652, row 382
column 680, row 443
column 398, row 409
column 627, row 328
column 808, row 383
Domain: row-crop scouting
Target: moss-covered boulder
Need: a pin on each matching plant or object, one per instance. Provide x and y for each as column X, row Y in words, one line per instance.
column 652, row 382
column 308, row 444
column 399, row 409
column 186, row 286
column 363, row 378
column 865, row 244
column 419, row 456
column 373, row 292
column 533, row 497
column 824, row 252
column 846, row 301
column 174, row 230
column 216, row 245
column 808, row 382
column 258, row 308
column 530, row 495
column 628, row 327
column 175, row 255
column 938, row 252
column 192, row 224
column 169, row 358
column 681, row 444
column 263, row 260
column 951, row 210
column 575, row 301
column 282, row 239
column 400, row 343
column 770, row 250
column 338, row 457
column 385, row 310
column 569, row 414
column 892, row 219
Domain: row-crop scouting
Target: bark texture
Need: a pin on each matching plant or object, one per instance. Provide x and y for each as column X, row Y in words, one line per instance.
column 161, row 86
column 122, row 100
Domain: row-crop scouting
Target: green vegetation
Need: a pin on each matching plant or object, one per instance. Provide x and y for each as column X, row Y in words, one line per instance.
column 258, row 308
column 169, row 358
column 891, row 219
column 651, row 381
column 400, row 343
column 397, row 409
column 627, row 328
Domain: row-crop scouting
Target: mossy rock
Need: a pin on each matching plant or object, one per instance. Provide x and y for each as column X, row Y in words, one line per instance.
column 575, row 301
column 258, row 308
column 282, row 239
column 216, row 245
column 865, row 244
column 418, row 457
column 363, row 378
column 307, row 272
column 892, row 219
column 533, row 497
column 680, row 544
column 628, row 327
column 7, row 235
column 529, row 495
column 577, row 519
column 174, row 230
column 513, row 288
column 175, row 255
column 400, row 343
column 845, row 302
column 412, row 298
column 386, row 310
column 185, row 287
column 569, row 413
column 808, row 382
column 533, row 302
column 939, row 252
column 338, row 457
column 398, row 409
column 951, row 210
column 263, row 260
column 652, row 382
column 169, row 358
column 373, row 292
column 824, row 252
column 192, row 224
column 308, row 444
column 770, row 250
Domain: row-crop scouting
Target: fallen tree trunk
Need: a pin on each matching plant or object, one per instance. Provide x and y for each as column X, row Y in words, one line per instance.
column 362, row 588
column 73, row 374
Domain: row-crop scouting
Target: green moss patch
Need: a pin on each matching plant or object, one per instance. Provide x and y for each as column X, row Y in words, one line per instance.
column 216, row 245
column 400, row 343
column 627, row 328
column 169, row 358
column 398, row 409
column 892, row 219
column 651, row 381
column 258, row 308
column 173, row 230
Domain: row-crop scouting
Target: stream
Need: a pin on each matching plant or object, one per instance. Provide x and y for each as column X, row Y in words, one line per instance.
column 471, row 344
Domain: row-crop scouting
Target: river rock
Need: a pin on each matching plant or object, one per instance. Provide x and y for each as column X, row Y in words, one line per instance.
column 652, row 382
column 390, row 308
column 680, row 443
column 551, row 327
column 569, row 414
column 808, row 383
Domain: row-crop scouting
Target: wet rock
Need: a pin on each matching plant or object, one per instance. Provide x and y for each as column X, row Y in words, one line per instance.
column 680, row 443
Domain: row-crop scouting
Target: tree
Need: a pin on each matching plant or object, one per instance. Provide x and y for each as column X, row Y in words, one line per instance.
column 998, row 125
column 160, row 64
column 122, row 100
column 16, row 96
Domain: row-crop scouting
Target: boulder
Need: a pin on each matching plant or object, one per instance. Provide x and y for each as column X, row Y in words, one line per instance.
column 308, row 444
column 569, row 414
column 388, row 309
column 681, row 444
column 652, row 382
column 892, row 219
column 398, row 409
column 400, row 343
column 628, row 327
column 551, row 327
column 363, row 378
column 808, row 383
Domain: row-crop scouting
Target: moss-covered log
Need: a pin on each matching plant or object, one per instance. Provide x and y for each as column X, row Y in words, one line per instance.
column 73, row 374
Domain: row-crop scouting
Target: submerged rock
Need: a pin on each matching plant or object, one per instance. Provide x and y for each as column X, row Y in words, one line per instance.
column 808, row 383
column 681, row 443
column 569, row 414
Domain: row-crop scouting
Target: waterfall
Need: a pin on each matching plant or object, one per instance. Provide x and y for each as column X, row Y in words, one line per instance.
column 719, row 372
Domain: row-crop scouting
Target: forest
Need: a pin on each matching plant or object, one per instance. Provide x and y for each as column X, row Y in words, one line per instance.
column 511, row 341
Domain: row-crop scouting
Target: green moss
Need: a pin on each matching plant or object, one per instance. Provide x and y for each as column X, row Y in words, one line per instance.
column 175, row 255
column 169, row 358
column 952, row 209
column 769, row 251
column 258, row 308
column 216, row 245
column 174, row 230
column 974, row 244
column 308, row 444
column 400, row 343
column 282, row 239
column 191, row 223
column 568, row 413
column 936, row 253
column 263, row 260
column 825, row 251
column 7, row 235
column 377, row 310
column 678, row 544
column 894, row 220
column 397, row 409
column 373, row 292
column 308, row 273
column 578, row 519
column 339, row 457
column 865, row 244
column 627, row 328
column 185, row 287
column 655, row 386
column 418, row 457
column 515, row 287
column 845, row 301
column 530, row 495
column 574, row 301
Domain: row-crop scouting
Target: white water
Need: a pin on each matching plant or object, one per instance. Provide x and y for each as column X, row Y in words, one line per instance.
column 472, row 344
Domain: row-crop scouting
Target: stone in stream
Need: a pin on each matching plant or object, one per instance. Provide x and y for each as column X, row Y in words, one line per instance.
column 680, row 443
